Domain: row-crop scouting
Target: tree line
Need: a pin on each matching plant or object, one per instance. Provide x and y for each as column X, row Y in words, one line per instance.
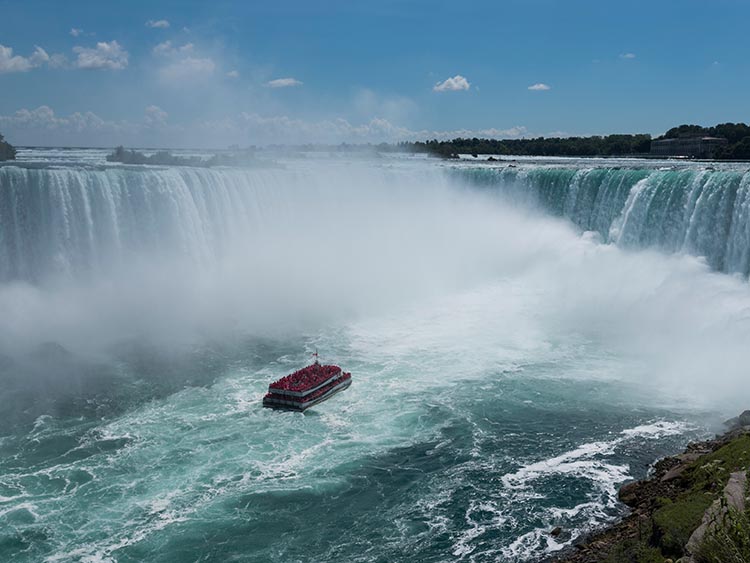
column 737, row 135
column 7, row 151
column 609, row 145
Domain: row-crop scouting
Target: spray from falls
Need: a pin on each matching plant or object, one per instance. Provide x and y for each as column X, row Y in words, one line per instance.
column 696, row 211
column 92, row 257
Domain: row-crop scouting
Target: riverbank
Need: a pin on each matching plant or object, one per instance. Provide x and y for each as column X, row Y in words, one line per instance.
column 692, row 508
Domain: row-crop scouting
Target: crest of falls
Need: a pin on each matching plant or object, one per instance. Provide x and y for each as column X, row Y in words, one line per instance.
column 74, row 221
column 703, row 212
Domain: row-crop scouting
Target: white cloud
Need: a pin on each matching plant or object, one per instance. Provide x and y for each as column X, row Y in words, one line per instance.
column 539, row 87
column 453, row 84
column 58, row 60
column 283, row 83
column 39, row 56
column 167, row 49
column 155, row 116
column 42, row 125
column 627, row 56
column 158, row 24
column 16, row 63
column 182, row 64
column 233, row 74
column 188, row 68
column 164, row 48
column 104, row 56
column 75, row 31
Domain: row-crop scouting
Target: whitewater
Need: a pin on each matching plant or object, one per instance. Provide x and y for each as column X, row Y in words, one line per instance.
column 523, row 339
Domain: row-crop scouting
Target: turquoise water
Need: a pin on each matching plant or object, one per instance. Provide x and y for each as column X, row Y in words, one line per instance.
column 509, row 372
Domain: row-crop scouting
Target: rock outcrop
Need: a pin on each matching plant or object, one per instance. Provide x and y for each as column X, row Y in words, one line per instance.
column 683, row 501
column 733, row 498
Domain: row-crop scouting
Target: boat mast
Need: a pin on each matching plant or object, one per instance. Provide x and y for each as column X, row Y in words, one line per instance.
column 315, row 355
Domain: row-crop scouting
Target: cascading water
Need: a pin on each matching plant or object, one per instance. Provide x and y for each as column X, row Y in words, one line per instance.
column 509, row 373
column 79, row 221
column 704, row 212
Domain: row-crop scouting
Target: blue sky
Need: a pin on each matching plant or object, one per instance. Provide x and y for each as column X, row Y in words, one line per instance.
column 185, row 73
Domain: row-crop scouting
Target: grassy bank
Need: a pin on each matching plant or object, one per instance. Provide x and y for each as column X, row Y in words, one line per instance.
column 683, row 492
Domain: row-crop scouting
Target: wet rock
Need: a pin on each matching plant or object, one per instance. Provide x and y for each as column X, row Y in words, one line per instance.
column 738, row 421
column 629, row 493
column 685, row 460
column 674, row 473
column 556, row 531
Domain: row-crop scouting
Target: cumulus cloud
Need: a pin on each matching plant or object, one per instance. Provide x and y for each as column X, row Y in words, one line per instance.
column 627, row 56
column 86, row 128
column 453, row 84
column 104, row 56
column 283, row 83
column 75, row 31
column 58, row 60
column 157, row 24
column 188, row 68
column 182, row 63
column 167, row 49
column 155, row 116
column 16, row 63
column 539, row 87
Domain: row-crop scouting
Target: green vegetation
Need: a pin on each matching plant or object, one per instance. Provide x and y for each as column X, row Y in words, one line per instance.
column 728, row 543
column 7, row 151
column 663, row 536
column 164, row 158
column 738, row 135
column 674, row 522
column 611, row 145
column 634, row 551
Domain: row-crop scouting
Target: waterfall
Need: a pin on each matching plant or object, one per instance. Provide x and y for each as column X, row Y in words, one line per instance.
column 703, row 212
column 75, row 221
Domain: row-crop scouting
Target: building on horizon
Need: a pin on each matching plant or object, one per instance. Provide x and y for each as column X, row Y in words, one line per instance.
column 692, row 147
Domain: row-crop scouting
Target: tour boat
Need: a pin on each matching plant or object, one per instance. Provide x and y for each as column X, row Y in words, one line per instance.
column 306, row 387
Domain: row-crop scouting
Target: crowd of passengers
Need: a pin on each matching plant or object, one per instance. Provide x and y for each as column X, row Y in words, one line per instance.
column 312, row 396
column 305, row 378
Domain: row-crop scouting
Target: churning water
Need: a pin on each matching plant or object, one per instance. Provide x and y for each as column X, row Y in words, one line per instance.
column 522, row 341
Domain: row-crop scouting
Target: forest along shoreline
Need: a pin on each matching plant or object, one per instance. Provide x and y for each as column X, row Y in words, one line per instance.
column 693, row 508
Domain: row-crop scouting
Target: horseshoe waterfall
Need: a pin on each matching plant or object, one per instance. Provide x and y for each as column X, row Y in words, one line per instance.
column 523, row 338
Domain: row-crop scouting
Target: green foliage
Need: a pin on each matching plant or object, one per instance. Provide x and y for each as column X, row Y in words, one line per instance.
column 164, row 158
column 634, row 551
column 610, row 145
column 7, row 151
column 675, row 521
column 737, row 134
column 711, row 472
column 728, row 542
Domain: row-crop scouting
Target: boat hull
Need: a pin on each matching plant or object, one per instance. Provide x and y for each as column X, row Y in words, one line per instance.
column 291, row 405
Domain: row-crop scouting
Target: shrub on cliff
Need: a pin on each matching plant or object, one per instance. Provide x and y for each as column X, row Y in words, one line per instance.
column 729, row 542
column 7, row 151
column 162, row 158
